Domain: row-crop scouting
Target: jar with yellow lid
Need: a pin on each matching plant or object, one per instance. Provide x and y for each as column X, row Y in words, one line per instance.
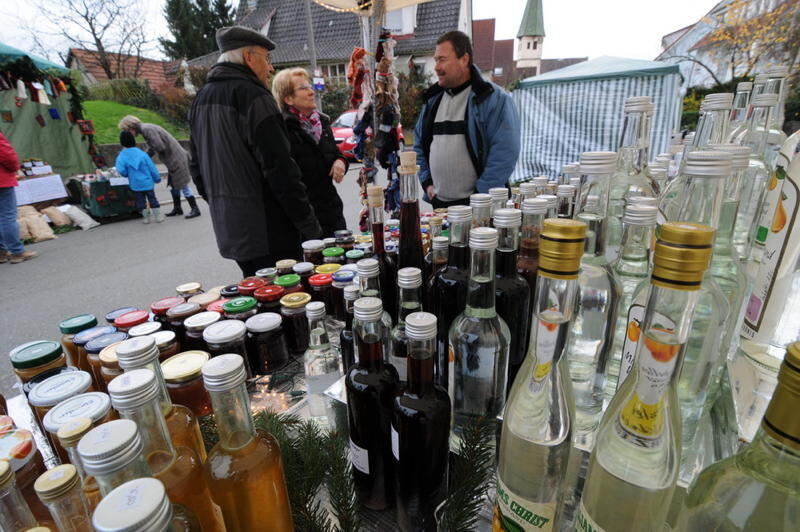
column 69, row 328
column 93, row 349
column 110, row 365
column 187, row 290
column 69, row 434
column 60, row 490
column 16, row 514
column 295, row 323
column 327, row 268
column 184, row 379
column 36, row 357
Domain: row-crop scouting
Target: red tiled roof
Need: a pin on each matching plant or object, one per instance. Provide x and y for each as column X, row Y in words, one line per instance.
column 160, row 74
column 483, row 44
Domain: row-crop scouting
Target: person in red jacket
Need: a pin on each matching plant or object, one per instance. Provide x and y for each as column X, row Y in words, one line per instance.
column 11, row 249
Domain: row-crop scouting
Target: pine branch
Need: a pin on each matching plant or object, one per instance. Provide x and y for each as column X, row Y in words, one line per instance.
column 471, row 477
column 307, row 509
column 339, row 481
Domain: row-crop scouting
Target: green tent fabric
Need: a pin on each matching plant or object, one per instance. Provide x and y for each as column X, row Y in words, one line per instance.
column 604, row 67
column 9, row 53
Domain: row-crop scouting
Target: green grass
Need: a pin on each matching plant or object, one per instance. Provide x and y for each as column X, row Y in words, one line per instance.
column 106, row 115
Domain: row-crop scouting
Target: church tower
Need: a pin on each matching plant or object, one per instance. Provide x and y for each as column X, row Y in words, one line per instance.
column 531, row 37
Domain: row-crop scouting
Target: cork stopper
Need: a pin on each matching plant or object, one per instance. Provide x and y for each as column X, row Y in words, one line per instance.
column 408, row 162
column 375, row 196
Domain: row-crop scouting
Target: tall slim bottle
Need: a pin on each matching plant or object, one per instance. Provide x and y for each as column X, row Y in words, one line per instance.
column 434, row 232
column 534, row 211
column 135, row 395
column 714, row 122
column 736, row 136
column 322, row 364
column 244, row 467
column 739, row 112
column 499, row 198
column 410, row 254
column 481, row 205
column 370, row 285
column 371, row 387
column 512, row 292
column 448, row 295
column 479, row 341
column 386, row 264
column 634, row 464
column 592, row 329
column 409, row 281
column 759, row 487
column 566, row 200
column 777, row 85
column 346, row 344
column 436, row 260
column 632, row 177
column 528, row 190
column 420, row 431
column 537, row 422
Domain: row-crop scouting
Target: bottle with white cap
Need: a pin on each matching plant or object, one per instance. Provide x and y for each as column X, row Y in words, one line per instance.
column 552, row 204
column 481, row 210
column 371, row 386
column 15, row 514
column 437, row 258
column 499, row 198
column 140, row 504
column 534, row 211
column 346, row 345
column 591, row 334
column 111, row 453
column 479, row 342
column 69, row 434
column 569, row 172
column 371, row 285
column 322, row 364
column 409, row 283
column 387, row 266
column 739, row 113
column 566, row 200
column 244, row 468
column 527, row 190
column 420, row 430
column 512, row 291
column 713, row 125
column 777, row 85
column 135, row 395
column 541, row 183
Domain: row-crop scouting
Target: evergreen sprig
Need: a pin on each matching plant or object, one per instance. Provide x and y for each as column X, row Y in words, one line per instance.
column 340, row 484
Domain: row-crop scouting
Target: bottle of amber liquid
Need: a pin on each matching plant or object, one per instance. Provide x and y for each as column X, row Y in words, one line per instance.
column 371, row 386
column 386, row 264
column 69, row 435
column 135, row 395
column 244, row 468
column 182, row 425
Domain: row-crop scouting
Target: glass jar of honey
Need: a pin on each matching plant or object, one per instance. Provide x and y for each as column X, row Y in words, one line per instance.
column 328, row 268
column 187, row 290
column 167, row 344
column 131, row 319
column 230, row 291
column 84, row 337
column 159, row 309
column 334, row 255
column 312, row 251
column 285, row 266
column 248, row 285
column 37, row 357
column 182, row 374
column 226, row 336
column 204, row 299
column 93, row 349
column 304, row 270
column 267, row 274
column 290, row 283
column 240, row 308
column 195, row 325
column 295, row 323
column 31, row 384
column 117, row 312
column 269, row 298
column 93, row 405
column 110, row 364
column 266, row 344
column 216, row 306
column 176, row 316
column 71, row 326
column 145, row 329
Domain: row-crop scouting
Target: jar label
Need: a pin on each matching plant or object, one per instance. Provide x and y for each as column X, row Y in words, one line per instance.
column 359, row 457
column 132, row 498
column 395, row 444
column 632, row 332
column 584, row 522
column 513, row 513
column 546, row 339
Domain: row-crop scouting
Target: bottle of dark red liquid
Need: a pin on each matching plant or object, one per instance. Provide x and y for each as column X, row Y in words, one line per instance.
column 346, row 345
column 409, row 281
column 420, row 431
column 435, row 259
column 386, row 264
column 447, row 294
column 410, row 254
column 371, row 386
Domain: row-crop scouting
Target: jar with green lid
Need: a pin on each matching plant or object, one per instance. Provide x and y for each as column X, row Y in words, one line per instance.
column 93, row 349
column 312, row 251
column 71, row 326
column 69, row 434
column 185, row 381
column 230, row 291
column 61, row 491
column 139, row 504
column 36, row 358
column 240, row 308
column 131, row 319
column 354, row 255
column 269, row 298
column 266, row 343
column 16, row 514
column 195, row 325
column 187, row 290
column 290, row 283
column 167, row 343
column 112, row 454
column 267, row 274
column 304, row 270
column 248, row 285
column 227, row 336
column 284, row 266
column 334, row 255
column 159, row 308
column 117, row 312
column 328, row 268
column 176, row 316
column 295, row 324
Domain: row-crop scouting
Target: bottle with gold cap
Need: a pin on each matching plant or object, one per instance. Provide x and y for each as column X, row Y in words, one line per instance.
column 537, row 421
column 386, row 265
column 15, row 514
column 758, row 488
column 69, row 435
column 634, row 465
column 60, row 489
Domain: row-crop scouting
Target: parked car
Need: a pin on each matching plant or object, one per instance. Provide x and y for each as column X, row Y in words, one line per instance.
column 343, row 133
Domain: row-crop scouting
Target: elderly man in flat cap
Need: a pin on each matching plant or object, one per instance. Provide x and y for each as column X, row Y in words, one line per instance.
column 241, row 158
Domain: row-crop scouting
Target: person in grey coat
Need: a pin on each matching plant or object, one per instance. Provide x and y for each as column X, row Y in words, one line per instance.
column 241, row 158
column 174, row 157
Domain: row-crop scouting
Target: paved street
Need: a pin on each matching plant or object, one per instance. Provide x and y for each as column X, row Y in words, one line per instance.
column 119, row 264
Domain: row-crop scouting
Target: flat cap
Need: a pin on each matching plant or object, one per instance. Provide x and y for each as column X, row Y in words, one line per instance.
column 233, row 37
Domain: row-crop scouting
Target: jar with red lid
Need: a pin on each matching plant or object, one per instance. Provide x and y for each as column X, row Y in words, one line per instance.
column 93, row 349
column 116, row 313
column 321, row 290
column 240, row 308
column 334, row 255
column 304, row 270
column 131, row 319
column 267, row 274
column 167, row 343
column 295, row 323
column 284, row 266
column 216, row 306
column 312, row 251
column 195, row 325
column 177, row 314
column 159, row 308
column 248, row 285
column 290, row 283
column 269, row 298
column 187, row 290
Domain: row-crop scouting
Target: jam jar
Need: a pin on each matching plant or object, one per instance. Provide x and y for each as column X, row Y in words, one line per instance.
column 341, row 279
column 93, row 349
column 37, row 357
column 195, row 325
column 268, row 274
column 116, row 313
column 329, row 242
column 295, row 323
column 240, row 308
column 365, row 248
column 216, row 306
column 290, row 283
column 93, row 405
column 69, row 327
column 304, row 270
column 159, row 309
column 110, row 364
column 31, row 384
column 321, row 290
column 266, row 344
column 177, row 314
column 344, row 239
column 248, row 285
column 167, row 343
column 204, row 299
column 230, row 291
column 187, row 290
column 327, row 268
column 353, row 256
column 84, row 337
column 333, row 255
column 269, row 298
column 143, row 329
column 185, row 381
column 131, row 319
column 285, row 266
column 226, row 336
column 312, row 251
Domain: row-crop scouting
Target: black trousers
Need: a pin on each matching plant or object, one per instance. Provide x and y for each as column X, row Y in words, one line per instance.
column 439, row 204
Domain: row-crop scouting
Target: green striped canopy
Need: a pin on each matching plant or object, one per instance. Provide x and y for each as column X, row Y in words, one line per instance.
column 9, row 54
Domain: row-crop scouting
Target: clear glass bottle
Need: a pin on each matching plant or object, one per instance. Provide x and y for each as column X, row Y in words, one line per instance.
column 69, row 435
column 139, row 504
column 533, row 213
column 322, row 364
column 420, row 431
column 410, row 253
column 777, row 84
column 499, row 198
column 540, row 182
column 634, row 464
column 370, row 285
column 346, row 345
column 182, row 424
column 409, row 281
column 630, row 269
column 527, row 191
column 537, row 423
column 741, row 103
column 592, row 330
column 371, row 387
column 759, row 487
column 60, row 490
column 135, row 395
column 552, row 204
column 448, row 287
column 631, row 177
column 15, row 514
column 386, row 264
column 570, row 171
column 244, row 468
column 481, row 205
column 512, row 292
column 714, row 122
column 111, row 453
column 566, row 200
column 479, row 342
column 435, row 260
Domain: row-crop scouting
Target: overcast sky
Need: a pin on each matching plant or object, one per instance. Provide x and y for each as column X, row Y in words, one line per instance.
column 574, row 28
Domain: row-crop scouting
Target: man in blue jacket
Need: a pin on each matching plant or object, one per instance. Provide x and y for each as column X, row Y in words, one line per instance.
column 467, row 134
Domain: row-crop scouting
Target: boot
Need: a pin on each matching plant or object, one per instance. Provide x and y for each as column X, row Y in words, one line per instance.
column 176, row 203
column 157, row 216
column 195, row 212
column 145, row 216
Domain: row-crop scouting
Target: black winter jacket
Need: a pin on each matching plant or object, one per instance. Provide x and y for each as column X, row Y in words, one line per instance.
column 315, row 161
column 242, row 165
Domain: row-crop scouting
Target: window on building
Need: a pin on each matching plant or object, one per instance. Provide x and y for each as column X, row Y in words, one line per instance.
column 534, row 44
column 401, row 21
column 529, row 45
column 498, row 71
column 335, row 75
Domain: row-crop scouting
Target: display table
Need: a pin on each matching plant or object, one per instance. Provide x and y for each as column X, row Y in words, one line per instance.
column 102, row 199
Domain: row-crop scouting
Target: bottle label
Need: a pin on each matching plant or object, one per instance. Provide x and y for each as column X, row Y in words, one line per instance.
column 633, row 331
column 513, row 513
column 770, row 210
column 584, row 522
column 401, row 365
column 395, row 444
column 359, row 457
column 546, row 337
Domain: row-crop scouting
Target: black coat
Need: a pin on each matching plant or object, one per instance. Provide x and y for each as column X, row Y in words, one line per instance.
column 315, row 161
column 242, row 165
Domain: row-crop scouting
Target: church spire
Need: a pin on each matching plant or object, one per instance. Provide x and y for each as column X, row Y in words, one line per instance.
column 532, row 20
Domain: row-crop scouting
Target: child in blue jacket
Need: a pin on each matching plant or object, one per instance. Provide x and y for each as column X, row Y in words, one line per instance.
column 142, row 174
